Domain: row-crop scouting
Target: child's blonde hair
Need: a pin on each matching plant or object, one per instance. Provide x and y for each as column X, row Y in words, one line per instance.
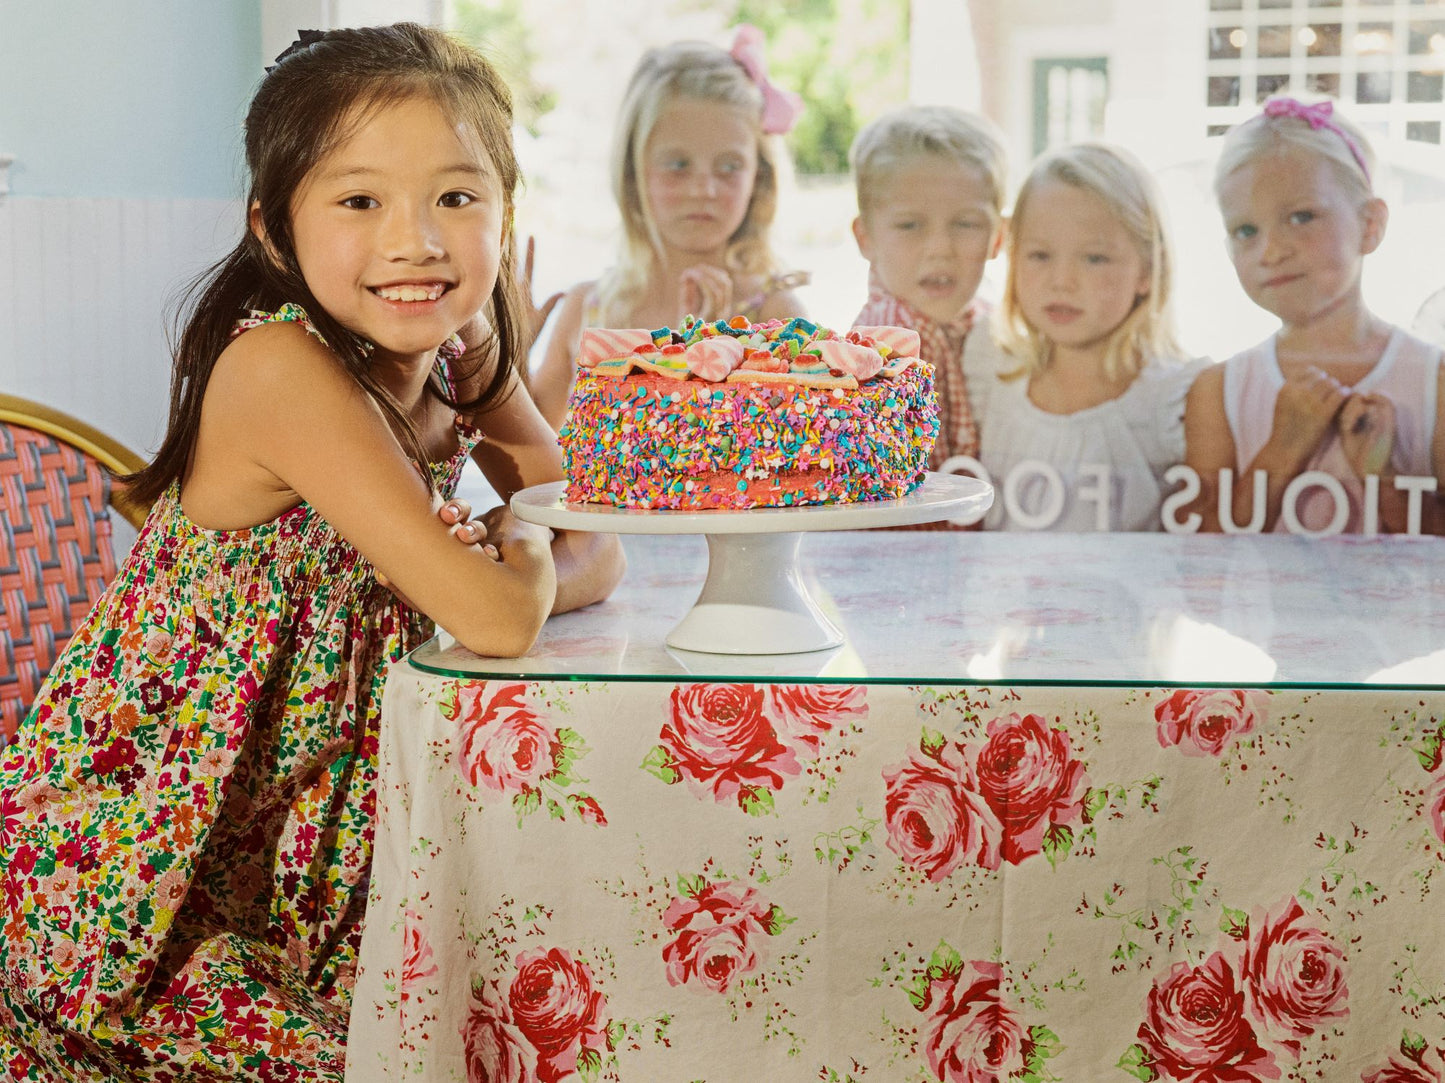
column 913, row 131
column 1288, row 123
column 700, row 72
column 1128, row 190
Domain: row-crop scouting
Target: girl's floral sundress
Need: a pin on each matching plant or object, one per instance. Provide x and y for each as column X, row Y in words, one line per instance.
column 186, row 813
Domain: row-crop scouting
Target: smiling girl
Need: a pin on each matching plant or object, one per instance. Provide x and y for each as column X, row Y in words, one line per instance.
column 1333, row 422
column 695, row 161
column 186, row 812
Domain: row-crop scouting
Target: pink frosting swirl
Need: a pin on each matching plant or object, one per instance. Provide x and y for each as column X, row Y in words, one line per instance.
column 713, row 358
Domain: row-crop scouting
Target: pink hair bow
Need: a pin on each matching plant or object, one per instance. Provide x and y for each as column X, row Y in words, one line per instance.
column 781, row 108
column 1317, row 116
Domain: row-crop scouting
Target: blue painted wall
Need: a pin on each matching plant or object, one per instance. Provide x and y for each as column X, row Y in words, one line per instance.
column 127, row 98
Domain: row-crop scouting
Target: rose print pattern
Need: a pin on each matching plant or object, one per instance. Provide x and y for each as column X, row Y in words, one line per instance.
column 503, row 745
column 1244, row 1012
column 1003, row 883
column 804, row 714
column 1293, row 974
column 1029, row 777
column 718, row 933
column 969, row 1036
column 1006, row 798
column 972, row 1028
column 559, row 1011
column 936, row 818
column 494, row 1048
column 1195, row 1026
column 1205, row 721
column 1417, row 1062
column 740, row 743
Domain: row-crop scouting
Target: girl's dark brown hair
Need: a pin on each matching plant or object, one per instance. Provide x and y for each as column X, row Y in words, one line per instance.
column 310, row 102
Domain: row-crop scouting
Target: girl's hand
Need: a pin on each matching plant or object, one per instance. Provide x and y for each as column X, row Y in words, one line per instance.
column 706, row 292
column 536, row 318
column 470, row 532
column 1367, row 432
column 457, row 514
column 1304, row 411
column 511, row 534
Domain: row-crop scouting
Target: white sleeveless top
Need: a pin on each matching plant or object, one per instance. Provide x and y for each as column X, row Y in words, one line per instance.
column 1406, row 374
column 1100, row 468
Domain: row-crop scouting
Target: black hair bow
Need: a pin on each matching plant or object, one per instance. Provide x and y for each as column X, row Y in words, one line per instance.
column 304, row 40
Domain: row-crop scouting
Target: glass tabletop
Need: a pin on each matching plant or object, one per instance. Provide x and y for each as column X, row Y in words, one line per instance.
column 967, row 608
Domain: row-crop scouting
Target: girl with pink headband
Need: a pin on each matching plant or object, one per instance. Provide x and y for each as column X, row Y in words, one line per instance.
column 695, row 162
column 1332, row 423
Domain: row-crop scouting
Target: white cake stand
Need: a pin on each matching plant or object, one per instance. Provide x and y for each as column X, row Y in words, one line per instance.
column 754, row 600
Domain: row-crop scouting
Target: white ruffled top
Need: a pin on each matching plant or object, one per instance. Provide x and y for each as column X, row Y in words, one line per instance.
column 1100, row 468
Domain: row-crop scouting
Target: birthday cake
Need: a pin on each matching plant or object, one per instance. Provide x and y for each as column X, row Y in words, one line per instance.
column 732, row 415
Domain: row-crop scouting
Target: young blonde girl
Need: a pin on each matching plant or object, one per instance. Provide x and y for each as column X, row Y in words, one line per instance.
column 1085, row 415
column 1333, row 422
column 185, row 814
column 695, row 162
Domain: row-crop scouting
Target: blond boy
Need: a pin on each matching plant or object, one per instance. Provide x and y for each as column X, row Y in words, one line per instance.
column 930, row 182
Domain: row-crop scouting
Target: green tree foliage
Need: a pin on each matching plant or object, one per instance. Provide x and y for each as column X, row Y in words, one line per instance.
column 499, row 28
column 848, row 59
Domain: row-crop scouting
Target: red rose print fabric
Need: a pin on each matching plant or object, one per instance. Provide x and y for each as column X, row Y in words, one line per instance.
column 602, row 881
column 1205, row 722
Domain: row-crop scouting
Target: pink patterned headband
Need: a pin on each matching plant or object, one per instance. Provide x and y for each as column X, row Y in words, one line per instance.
column 1317, row 116
column 781, row 108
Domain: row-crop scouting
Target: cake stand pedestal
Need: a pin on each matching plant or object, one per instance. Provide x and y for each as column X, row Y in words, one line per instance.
column 754, row 600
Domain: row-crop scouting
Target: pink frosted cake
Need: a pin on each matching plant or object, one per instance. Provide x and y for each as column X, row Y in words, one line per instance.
column 739, row 415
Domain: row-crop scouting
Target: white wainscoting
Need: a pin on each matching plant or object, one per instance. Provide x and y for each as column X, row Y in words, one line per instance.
column 87, row 288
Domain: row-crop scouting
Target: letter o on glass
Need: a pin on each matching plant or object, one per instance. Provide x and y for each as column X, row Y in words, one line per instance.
column 966, row 464
column 1330, row 484
column 1052, row 505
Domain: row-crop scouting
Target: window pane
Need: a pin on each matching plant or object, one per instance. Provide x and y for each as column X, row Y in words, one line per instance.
column 1225, row 5
column 1323, row 82
column 1423, row 131
column 1224, row 90
column 1274, row 40
column 1374, row 39
column 1321, row 39
column 1225, row 42
column 1372, row 87
column 1424, row 86
column 1427, row 37
column 1268, row 85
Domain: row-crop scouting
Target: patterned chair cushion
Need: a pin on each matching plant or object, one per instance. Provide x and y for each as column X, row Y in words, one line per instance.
column 55, row 557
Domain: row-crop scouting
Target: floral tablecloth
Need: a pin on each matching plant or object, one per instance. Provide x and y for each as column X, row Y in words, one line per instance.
column 658, row 881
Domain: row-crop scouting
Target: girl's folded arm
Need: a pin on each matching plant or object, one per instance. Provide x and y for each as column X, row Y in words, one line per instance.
column 323, row 437
column 520, row 450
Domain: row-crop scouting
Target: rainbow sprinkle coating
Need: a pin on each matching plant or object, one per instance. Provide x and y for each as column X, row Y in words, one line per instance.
column 783, row 431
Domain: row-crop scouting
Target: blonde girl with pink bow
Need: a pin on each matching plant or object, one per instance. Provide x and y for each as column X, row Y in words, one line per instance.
column 1332, row 423
column 695, row 161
